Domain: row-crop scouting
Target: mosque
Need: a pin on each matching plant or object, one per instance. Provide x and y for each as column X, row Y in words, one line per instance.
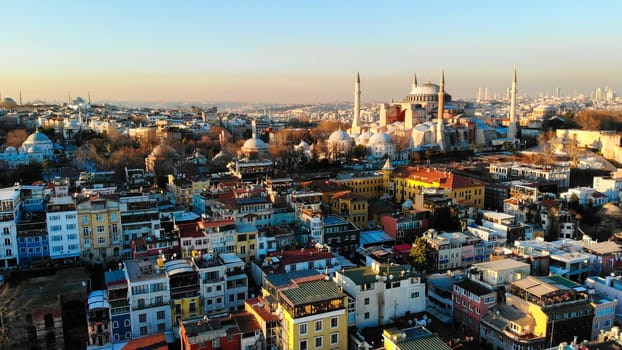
column 425, row 119
column 36, row 148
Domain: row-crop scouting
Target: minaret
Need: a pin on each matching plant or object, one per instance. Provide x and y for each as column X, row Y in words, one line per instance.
column 357, row 106
column 89, row 93
column 441, row 110
column 20, row 97
column 512, row 125
column 412, row 90
column 254, row 128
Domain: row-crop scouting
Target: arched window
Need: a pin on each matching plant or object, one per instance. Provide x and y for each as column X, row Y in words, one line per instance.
column 115, row 324
column 126, row 323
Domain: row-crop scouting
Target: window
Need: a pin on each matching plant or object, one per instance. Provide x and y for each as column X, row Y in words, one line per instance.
column 366, row 316
column 86, row 230
column 303, row 329
column 101, row 240
column 115, row 324
column 87, row 243
column 100, row 229
column 192, row 307
column 54, row 217
column 143, row 330
column 72, row 237
column 142, row 317
column 334, row 338
column 99, row 217
column 113, row 216
column 128, row 335
column 318, row 325
column 414, row 295
column 161, row 327
column 318, row 342
column 114, row 228
column 607, row 324
column 303, row 345
column 177, row 309
column 126, row 323
column 70, row 216
column 366, row 301
column 56, row 228
column 160, row 315
column 85, row 219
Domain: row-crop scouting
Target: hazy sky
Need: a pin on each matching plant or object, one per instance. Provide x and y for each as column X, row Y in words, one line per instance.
column 304, row 51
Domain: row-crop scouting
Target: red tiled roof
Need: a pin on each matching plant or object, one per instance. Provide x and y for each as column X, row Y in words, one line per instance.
column 150, row 342
column 446, row 179
column 347, row 195
column 190, row 230
column 216, row 223
column 296, row 256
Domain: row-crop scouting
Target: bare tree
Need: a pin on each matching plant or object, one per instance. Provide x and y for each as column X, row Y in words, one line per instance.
column 11, row 308
column 15, row 138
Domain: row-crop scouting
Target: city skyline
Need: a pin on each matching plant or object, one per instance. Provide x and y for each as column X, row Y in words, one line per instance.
column 303, row 53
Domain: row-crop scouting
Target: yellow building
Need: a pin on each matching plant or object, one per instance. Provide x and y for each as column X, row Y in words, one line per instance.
column 369, row 185
column 314, row 317
column 407, row 181
column 246, row 242
column 99, row 221
column 185, row 188
column 184, row 286
column 412, row 338
column 351, row 207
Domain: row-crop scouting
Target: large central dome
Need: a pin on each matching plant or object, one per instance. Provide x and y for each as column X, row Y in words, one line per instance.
column 426, row 89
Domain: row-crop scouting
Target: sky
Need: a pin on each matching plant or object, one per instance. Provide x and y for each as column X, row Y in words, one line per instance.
column 303, row 51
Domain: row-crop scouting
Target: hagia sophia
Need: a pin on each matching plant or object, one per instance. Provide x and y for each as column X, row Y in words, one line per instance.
column 426, row 119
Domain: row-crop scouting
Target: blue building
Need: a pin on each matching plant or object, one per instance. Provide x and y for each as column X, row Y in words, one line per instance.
column 120, row 321
column 32, row 240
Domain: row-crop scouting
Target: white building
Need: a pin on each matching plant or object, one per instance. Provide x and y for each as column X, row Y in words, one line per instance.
column 149, row 296
column 611, row 186
column 62, row 223
column 212, row 282
column 586, row 195
column 236, row 281
column 508, row 171
column 381, row 292
column 501, row 272
column 36, row 148
column 10, row 209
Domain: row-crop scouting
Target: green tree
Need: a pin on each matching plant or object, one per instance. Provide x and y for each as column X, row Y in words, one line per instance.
column 420, row 255
column 552, row 230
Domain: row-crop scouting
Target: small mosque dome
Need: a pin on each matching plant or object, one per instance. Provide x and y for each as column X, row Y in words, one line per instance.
column 254, row 144
column 8, row 103
column 37, row 137
column 339, row 136
column 10, row 150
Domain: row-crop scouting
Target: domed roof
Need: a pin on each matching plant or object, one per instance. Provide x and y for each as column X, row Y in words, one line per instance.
column 37, row 137
column 254, row 144
column 381, row 138
column 426, row 89
column 10, row 149
column 163, row 150
column 8, row 102
column 339, row 136
column 545, row 107
column 365, row 136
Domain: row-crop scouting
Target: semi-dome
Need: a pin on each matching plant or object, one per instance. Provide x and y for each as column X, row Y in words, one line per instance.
column 339, row 136
column 381, row 138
